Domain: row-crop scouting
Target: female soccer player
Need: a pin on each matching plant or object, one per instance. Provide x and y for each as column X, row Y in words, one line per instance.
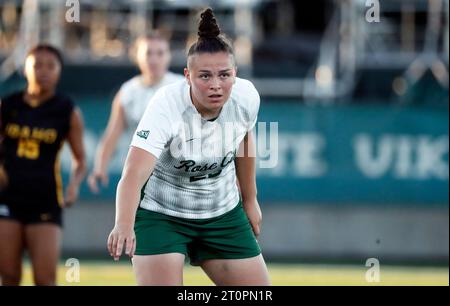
column 189, row 200
column 34, row 124
column 153, row 58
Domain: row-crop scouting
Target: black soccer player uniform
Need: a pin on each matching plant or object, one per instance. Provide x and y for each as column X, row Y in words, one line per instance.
column 33, row 138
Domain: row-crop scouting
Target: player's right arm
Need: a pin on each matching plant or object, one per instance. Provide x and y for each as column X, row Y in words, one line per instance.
column 107, row 145
column 153, row 133
column 138, row 167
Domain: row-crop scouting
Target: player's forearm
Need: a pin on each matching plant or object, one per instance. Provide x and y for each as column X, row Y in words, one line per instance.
column 138, row 168
column 246, row 169
column 104, row 152
column 78, row 172
column 127, row 200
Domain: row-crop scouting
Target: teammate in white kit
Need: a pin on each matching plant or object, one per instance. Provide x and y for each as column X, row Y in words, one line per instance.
column 189, row 203
column 153, row 58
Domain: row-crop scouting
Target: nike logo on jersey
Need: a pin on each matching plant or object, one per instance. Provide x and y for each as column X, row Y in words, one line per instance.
column 143, row 134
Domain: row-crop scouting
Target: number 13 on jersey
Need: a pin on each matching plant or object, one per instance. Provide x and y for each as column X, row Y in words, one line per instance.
column 28, row 148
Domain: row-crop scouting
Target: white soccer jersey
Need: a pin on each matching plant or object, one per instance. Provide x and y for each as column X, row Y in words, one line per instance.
column 194, row 176
column 134, row 96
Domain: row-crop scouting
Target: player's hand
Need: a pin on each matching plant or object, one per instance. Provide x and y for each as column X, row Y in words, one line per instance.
column 72, row 192
column 94, row 178
column 122, row 238
column 254, row 215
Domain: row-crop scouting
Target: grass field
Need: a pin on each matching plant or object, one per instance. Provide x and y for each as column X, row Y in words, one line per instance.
column 98, row 273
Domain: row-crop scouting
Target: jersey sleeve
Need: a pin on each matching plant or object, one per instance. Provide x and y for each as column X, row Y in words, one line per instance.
column 155, row 128
column 253, row 107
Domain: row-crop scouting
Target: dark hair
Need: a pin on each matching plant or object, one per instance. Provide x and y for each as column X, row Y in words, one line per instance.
column 47, row 48
column 210, row 39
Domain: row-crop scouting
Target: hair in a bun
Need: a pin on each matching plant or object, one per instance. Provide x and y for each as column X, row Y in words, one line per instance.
column 208, row 27
column 210, row 38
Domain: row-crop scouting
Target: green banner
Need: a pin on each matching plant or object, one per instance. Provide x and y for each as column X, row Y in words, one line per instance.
column 327, row 155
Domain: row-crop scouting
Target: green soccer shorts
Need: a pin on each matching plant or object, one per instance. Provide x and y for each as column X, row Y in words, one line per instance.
column 229, row 236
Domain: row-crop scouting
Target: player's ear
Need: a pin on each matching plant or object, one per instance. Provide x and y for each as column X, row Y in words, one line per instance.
column 187, row 75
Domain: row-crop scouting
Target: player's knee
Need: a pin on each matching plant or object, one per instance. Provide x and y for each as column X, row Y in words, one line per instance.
column 10, row 277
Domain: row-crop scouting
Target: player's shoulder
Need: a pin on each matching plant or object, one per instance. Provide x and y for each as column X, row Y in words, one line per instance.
column 62, row 103
column 170, row 98
column 11, row 101
column 64, row 100
column 173, row 91
column 12, row 97
column 245, row 93
column 131, row 84
column 244, row 86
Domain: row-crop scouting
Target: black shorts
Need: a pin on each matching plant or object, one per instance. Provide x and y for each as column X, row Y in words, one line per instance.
column 27, row 215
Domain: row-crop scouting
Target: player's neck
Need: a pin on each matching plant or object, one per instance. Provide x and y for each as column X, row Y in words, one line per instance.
column 35, row 96
column 150, row 80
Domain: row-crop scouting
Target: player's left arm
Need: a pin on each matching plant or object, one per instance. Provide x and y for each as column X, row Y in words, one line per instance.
column 75, row 139
column 246, row 175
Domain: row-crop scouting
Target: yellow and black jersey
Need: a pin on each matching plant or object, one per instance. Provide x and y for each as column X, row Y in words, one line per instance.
column 32, row 141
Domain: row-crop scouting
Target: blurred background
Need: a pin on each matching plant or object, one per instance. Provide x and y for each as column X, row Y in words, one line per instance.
column 361, row 104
